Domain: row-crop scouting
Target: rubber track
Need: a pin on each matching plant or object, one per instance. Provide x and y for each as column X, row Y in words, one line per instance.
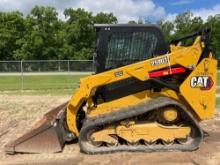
column 132, row 111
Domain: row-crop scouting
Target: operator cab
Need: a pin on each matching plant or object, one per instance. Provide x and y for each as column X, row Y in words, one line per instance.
column 119, row 45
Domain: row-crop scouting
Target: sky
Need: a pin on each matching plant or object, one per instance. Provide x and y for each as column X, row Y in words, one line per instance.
column 125, row 10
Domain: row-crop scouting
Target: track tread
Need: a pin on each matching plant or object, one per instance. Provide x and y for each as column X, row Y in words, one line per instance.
column 132, row 111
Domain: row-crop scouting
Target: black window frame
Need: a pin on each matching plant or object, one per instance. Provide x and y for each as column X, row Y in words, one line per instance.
column 105, row 31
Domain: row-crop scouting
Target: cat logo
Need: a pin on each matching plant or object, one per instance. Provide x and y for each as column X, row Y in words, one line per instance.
column 202, row 82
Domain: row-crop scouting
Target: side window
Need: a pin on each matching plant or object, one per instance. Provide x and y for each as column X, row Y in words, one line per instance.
column 129, row 47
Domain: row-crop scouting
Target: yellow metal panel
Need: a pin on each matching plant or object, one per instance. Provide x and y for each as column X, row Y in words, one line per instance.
column 199, row 89
column 133, row 99
column 151, row 132
column 134, row 132
column 188, row 57
column 115, row 105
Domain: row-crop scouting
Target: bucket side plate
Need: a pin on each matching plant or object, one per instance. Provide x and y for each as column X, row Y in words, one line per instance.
column 45, row 137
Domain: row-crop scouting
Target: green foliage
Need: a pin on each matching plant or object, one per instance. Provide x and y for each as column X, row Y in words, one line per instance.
column 39, row 41
column 186, row 23
column 42, row 35
column 107, row 18
column 12, row 29
column 167, row 27
column 132, row 22
column 80, row 33
column 140, row 21
column 214, row 24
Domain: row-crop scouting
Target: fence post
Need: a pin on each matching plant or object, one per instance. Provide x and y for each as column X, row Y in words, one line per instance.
column 22, row 76
column 68, row 66
column 58, row 65
column 68, row 73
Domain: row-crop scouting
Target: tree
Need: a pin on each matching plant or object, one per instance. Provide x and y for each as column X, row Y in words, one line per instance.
column 41, row 35
column 186, row 23
column 140, row 21
column 167, row 28
column 12, row 28
column 39, row 41
column 214, row 24
column 132, row 22
column 79, row 33
column 105, row 18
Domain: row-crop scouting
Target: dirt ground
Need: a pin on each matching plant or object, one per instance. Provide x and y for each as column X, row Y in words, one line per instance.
column 19, row 113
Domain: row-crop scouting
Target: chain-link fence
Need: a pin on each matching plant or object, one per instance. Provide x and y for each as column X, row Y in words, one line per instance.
column 46, row 66
column 43, row 74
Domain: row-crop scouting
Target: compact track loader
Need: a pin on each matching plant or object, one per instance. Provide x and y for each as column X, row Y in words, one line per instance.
column 144, row 96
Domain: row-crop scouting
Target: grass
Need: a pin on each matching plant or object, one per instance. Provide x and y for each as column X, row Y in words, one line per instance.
column 218, row 78
column 39, row 84
column 46, row 84
column 218, row 101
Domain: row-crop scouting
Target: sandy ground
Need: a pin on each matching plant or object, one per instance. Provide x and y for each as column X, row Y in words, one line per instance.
column 19, row 113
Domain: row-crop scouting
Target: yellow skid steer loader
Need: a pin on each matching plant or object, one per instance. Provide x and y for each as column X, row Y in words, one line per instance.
column 144, row 96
